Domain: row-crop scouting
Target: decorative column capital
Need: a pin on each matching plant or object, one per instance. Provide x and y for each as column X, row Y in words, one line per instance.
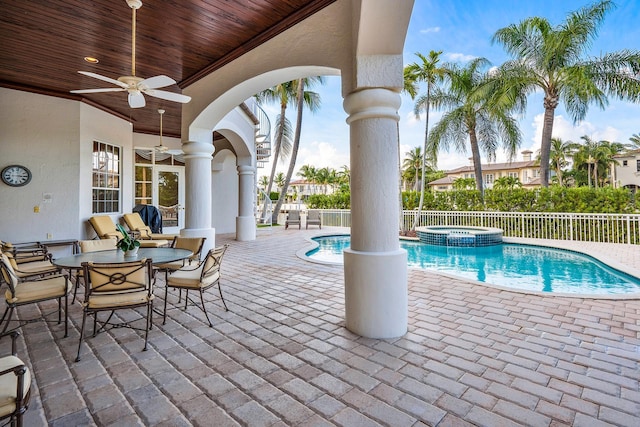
column 372, row 104
column 246, row 170
column 195, row 149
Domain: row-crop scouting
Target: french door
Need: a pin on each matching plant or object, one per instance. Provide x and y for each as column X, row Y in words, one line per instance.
column 168, row 196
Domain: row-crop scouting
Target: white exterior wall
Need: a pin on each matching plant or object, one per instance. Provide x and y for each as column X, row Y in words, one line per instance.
column 224, row 189
column 54, row 137
column 629, row 174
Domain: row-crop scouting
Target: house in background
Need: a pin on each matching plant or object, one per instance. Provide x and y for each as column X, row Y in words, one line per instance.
column 527, row 171
column 626, row 173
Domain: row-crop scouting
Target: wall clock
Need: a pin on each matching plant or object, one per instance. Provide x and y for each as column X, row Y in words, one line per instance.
column 16, row 175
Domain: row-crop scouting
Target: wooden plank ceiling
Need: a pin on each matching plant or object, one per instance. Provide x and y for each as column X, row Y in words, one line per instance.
column 44, row 43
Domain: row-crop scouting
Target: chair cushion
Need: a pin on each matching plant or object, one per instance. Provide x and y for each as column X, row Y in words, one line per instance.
column 153, row 243
column 100, row 301
column 36, row 267
column 9, row 385
column 52, row 287
column 175, row 265
column 190, row 279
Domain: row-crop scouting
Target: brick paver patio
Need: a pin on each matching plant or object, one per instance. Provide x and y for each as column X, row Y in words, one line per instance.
column 474, row 355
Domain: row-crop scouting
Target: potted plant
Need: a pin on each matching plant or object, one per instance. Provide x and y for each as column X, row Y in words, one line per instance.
column 127, row 244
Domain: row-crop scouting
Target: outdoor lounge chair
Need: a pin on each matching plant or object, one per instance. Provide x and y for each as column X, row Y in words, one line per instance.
column 293, row 218
column 106, row 229
column 135, row 223
column 15, row 385
column 313, row 218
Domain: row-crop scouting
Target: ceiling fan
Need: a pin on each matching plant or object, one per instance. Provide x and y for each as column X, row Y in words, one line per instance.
column 137, row 86
column 163, row 148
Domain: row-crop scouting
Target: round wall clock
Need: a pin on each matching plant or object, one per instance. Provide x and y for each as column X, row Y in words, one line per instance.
column 16, row 175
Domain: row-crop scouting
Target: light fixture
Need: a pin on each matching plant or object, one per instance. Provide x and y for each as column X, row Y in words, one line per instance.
column 161, row 148
column 91, row 59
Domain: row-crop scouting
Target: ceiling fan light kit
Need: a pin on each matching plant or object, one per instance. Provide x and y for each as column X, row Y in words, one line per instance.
column 136, row 86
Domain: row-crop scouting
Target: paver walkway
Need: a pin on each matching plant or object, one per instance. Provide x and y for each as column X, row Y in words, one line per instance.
column 474, row 355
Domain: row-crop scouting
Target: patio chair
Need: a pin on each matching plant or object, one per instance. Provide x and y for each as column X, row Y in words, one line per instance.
column 200, row 278
column 193, row 244
column 313, row 218
column 116, row 286
column 293, row 218
column 31, row 291
column 31, row 264
column 106, row 229
column 91, row 246
column 135, row 223
column 15, row 385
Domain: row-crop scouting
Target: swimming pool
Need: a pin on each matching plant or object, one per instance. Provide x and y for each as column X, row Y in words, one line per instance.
column 524, row 267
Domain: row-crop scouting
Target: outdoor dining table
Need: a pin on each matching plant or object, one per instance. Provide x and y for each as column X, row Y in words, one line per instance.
column 157, row 255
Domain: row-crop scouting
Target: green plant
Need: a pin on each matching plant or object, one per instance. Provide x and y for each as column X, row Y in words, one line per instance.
column 127, row 243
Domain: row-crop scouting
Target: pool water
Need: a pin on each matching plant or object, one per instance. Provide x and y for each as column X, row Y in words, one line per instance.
column 525, row 267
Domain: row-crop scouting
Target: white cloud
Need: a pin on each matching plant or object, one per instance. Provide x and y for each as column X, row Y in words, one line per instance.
column 459, row 57
column 430, row 30
column 564, row 129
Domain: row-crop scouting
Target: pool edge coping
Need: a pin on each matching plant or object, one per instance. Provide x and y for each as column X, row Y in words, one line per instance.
column 554, row 244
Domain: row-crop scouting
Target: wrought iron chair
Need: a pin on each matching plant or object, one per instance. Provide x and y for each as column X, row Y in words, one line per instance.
column 91, row 246
column 15, row 386
column 111, row 287
column 200, row 278
column 193, row 244
column 31, row 291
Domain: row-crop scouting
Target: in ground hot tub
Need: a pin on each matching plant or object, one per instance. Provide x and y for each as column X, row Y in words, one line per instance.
column 452, row 235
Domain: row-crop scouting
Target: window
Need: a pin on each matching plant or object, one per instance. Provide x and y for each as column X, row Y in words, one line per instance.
column 625, row 163
column 106, row 178
column 637, row 165
column 513, row 174
column 488, row 178
column 143, row 183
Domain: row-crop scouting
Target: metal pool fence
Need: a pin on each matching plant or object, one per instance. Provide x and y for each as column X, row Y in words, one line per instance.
column 605, row 228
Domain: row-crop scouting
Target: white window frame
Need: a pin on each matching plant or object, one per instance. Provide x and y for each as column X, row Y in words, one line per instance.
column 106, row 178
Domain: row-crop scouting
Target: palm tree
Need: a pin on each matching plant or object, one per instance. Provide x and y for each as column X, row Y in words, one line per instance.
column 279, row 180
column 561, row 151
column 484, row 120
column 312, row 101
column 427, row 71
column 263, row 182
column 344, row 176
column 412, row 165
column 635, row 141
column 282, row 93
column 553, row 59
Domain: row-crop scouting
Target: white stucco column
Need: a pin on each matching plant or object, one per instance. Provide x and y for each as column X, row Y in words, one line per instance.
column 198, row 157
column 245, row 221
column 375, row 267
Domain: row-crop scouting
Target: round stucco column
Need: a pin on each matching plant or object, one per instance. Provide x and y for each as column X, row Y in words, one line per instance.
column 375, row 268
column 245, row 221
column 198, row 157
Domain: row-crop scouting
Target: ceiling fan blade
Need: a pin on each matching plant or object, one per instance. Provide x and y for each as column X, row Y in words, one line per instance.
column 105, row 79
column 136, row 99
column 169, row 96
column 106, row 89
column 156, row 82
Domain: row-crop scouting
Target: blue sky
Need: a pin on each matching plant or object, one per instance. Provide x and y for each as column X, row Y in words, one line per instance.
column 462, row 30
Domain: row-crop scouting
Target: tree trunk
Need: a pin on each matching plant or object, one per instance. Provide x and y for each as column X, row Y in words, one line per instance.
column 550, row 104
column 424, row 159
column 294, row 152
column 477, row 162
column 276, row 155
